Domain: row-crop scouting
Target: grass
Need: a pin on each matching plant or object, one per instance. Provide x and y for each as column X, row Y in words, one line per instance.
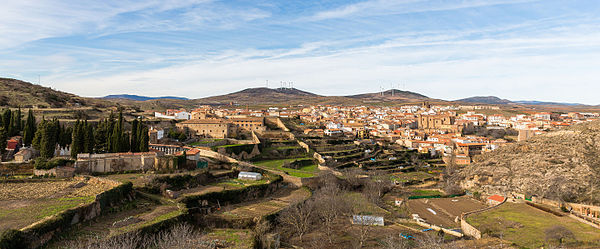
column 361, row 205
column 236, row 238
column 39, row 209
column 411, row 176
column 531, row 224
column 424, row 192
column 241, row 183
column 302, row 172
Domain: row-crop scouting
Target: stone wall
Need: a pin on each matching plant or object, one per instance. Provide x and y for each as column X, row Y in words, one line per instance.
column 114, row 162
column 470, row 230
column 39, row 233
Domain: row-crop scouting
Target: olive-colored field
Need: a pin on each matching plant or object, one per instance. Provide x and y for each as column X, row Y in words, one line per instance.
column 525, row 226
column 22, row 204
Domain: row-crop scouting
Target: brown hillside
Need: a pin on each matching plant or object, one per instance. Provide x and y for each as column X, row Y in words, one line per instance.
column 561, row 165
column 15, row 93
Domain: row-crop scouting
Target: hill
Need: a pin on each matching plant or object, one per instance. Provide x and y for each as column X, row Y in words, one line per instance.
column 561, row 165
column 393, row 95
column 138, row 97
column 263, row 95
column 14, row 93
column 492, row 100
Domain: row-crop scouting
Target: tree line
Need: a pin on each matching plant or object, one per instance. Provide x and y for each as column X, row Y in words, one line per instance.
column 109, row 135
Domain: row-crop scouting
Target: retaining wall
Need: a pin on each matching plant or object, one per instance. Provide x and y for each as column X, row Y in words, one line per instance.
column 39, row 233
column 469, row 229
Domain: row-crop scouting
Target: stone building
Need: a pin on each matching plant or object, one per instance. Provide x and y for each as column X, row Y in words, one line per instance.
column 114, row 162
column 213, row 128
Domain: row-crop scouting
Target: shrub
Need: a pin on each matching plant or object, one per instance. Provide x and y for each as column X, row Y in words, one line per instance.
column 12, row 238
column 41, row 163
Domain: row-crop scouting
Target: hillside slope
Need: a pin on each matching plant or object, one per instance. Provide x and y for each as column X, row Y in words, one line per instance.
column 392, row 95
column 493, row 100
column 16, row 93
column 561, row 165
column 138, row 97
column 263, row 95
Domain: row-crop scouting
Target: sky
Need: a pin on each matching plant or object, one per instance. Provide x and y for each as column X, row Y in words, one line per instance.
column 546, row 50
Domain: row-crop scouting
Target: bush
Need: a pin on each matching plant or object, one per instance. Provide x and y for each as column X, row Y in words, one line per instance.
column 42, row 163
column 12, row 238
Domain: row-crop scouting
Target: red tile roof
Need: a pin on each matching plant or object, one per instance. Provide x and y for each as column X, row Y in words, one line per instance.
column 496, row 198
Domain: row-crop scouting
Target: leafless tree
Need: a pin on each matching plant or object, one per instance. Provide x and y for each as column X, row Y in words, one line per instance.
column 260, row 233
column 395, row 242
column 363, row 229
column 558, row 233
column 330, row 204
column 431, row 241
column 181, row 236
column 298, row 218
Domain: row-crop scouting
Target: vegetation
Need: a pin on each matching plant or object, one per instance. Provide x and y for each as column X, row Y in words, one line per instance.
column 43, row 163
column 304, row 171
column 529, row 227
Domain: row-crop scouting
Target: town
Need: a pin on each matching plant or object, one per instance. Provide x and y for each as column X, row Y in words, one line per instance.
column 322, row 124
column 267, row 177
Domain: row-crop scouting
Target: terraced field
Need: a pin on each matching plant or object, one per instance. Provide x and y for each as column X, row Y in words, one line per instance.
column 24, row 203
column 266, row 206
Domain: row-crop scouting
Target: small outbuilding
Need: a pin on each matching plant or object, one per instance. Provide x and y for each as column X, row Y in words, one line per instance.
column 367, row 220
column 495, row 200
column 244, row 175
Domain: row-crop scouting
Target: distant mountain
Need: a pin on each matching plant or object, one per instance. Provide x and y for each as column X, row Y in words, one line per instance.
column 263, row 95
column 533, row 102
column 16, row 93
column 139, row 98
column 391, row 95
column 492, row 100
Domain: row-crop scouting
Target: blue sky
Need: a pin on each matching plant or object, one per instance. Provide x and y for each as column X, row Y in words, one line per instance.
column 516, row 49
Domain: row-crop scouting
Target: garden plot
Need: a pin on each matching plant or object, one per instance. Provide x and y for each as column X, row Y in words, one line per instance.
column 443, row 211
column 525, row 226
column 24, row 203
column 133, row 215
column 266, row 206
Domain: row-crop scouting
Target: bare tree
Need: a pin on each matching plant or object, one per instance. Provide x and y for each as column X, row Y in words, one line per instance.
column 181, row 236
column 431, row 241
column 330, row 204
column 298, row 218
column 364, row 227
column 395, row 242
column 558, row 233
column 260, row 233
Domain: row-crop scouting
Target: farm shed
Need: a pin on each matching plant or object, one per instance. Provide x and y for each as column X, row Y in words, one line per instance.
column 249, row 176
column 367, row 220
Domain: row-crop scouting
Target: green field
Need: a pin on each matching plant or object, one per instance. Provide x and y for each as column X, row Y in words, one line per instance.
column 525, row 225
column 424, row 192
column 306, row 171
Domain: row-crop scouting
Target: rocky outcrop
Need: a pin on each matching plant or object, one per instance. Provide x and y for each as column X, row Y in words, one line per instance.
column 562, row 165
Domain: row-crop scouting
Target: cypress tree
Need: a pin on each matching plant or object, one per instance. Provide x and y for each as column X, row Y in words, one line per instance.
column 135, row 146
column 37, row 138
column 47, row 138
column 115, row 140
column 18, row 121
column 6, row 117
column 89, row 138
column 29, row 129
column 75, row 140
column 3, row 138
column 144, row 140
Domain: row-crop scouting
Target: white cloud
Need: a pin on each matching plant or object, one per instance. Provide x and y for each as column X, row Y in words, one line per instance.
column 388, row 7
column 514, row 68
